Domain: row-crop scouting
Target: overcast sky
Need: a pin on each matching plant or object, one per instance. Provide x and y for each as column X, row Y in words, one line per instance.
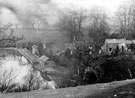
column 110, row 5
column 49, row 6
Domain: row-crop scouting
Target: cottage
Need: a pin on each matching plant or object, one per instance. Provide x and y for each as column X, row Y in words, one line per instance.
column 111, row 44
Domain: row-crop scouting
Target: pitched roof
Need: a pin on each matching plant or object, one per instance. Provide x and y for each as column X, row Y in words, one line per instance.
column 117, row 41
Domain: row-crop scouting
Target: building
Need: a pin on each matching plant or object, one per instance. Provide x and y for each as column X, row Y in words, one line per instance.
column 112, row 44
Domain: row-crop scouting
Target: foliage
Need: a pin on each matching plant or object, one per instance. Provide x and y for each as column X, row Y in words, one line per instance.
column 94, row 68
column 118, row 68
column 115, row 36
column 86, row 66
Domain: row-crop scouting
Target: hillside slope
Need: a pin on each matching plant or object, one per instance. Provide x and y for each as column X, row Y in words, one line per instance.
column 117, row 89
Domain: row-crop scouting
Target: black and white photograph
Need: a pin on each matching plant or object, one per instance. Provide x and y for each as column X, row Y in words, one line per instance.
column 67, row 48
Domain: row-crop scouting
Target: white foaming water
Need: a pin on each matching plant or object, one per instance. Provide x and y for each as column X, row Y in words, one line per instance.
column 12, row 68
column 16, row 70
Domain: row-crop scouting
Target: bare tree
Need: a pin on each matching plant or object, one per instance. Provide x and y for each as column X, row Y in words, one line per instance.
column 8, row 40
column 126, row 19
column 99, row 27
column 35, row 20
column 71, row 22
column 7, row 37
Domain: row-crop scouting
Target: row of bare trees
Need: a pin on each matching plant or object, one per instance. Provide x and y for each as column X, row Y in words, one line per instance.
column 36, row 20
column 125, row 18
column 78, row 22
column 71, row 21
column 95, row 22
column 7, row 37
column 98, row 24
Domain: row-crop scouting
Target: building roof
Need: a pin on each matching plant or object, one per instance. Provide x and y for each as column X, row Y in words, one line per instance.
column 118, row 41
